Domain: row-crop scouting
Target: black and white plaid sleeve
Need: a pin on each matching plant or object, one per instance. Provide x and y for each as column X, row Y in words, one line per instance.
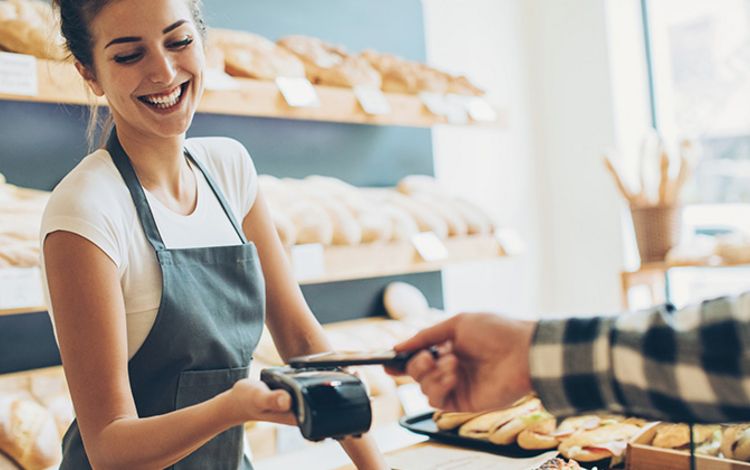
column 689, row 365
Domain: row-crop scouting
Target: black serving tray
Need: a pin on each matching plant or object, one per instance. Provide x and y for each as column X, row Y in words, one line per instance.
column 423, row 424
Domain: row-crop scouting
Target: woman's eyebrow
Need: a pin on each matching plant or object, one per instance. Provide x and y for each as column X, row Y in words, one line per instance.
column 125, row 39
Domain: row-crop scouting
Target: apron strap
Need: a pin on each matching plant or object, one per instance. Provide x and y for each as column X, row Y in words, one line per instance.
column 122, row 162
column 219, row 196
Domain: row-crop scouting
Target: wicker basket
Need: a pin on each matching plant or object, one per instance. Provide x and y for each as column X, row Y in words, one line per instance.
column 657, row 230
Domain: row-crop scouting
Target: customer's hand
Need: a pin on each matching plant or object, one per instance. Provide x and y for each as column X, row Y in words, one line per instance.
column 254, row 401
column 483, row 362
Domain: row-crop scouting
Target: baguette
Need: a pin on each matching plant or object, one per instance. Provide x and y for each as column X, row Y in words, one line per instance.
column 28, row 434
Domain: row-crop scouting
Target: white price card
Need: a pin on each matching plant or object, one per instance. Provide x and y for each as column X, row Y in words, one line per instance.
column 217, row 80
column 372, row 100
column 308, row 261
column 18, row 74
column 298, row 92
column 510, row 241
column 480, row 110
column 20, row 287
column 445, row 105
column 429, row 246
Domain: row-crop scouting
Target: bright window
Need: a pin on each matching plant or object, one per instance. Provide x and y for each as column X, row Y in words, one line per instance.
column 700, row 56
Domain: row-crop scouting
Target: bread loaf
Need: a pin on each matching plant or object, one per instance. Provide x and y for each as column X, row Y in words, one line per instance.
column 402, row 300
column 253, row 56
column 28, row 434
column 327, row 64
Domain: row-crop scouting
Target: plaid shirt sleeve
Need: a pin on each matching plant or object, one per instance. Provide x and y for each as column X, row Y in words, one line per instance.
column 689, row 365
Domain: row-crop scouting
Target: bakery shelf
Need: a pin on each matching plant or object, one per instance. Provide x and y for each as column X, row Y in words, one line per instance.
column 58, row 82
column 21, row 310
column 389, row 259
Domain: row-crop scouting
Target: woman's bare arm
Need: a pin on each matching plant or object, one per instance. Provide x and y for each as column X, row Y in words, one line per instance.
column 89, row 317
column 293, row 326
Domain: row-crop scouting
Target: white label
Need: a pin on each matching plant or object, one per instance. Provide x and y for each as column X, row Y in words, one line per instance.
column 216, row 79
column 447, row 106
column 429, row 246
column 18, row 74
column 372, row 100
column 308, row 261
column 510, row 241
column 480, row 110
column 20, row 287
column 435, row 102
column 298, row 92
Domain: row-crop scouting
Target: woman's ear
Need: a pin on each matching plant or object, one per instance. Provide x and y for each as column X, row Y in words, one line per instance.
column 90, row 78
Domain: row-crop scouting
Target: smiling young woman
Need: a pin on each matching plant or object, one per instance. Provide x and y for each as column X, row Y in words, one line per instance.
column 161, row 261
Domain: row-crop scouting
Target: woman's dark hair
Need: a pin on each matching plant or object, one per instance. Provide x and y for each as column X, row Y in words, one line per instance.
column 75, row 21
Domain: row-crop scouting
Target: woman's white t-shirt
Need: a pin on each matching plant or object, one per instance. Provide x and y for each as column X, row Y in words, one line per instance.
column 93, row 202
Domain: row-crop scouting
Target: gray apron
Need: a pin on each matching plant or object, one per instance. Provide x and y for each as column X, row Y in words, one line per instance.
column 208, row 324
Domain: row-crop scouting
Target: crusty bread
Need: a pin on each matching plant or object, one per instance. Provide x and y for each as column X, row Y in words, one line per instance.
column 29, row 27
column 253, row 56
column 28, row 434
column 328, row 64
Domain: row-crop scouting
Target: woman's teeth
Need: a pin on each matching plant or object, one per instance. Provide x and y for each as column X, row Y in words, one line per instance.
column 164, row 101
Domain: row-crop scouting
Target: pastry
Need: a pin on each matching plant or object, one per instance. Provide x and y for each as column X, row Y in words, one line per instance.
column 253, row 56
column 327, row 64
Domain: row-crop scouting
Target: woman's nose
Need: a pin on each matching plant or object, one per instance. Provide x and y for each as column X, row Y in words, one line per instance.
column 162, row 69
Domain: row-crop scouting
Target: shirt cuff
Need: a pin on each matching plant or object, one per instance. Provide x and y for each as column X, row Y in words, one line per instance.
column 570, row 365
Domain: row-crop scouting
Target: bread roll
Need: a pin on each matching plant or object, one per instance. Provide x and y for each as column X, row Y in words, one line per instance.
column 735, row 442
column 446, row 420
column 28, row 434
column 253, row 56
column 402, row 300
column 403, row 226
column 484, row 426
column 346, row 230
column 327, row 64
column 312, row 223
column 427, row 220
column 538, row 435
column 457, row 226
column 675, row 436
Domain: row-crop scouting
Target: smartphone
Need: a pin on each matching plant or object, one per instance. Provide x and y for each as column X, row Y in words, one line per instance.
column 388, row 358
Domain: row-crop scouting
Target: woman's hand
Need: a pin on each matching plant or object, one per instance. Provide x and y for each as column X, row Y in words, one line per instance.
column 254, row 401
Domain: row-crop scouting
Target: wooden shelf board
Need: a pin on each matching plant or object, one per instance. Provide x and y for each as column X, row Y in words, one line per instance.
column 389, row 259
column 21, row 310
column 59, row 82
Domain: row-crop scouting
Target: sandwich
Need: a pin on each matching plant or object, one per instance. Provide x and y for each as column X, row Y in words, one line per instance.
column 446, row 420
column 608, row 441
column 501, row 424
column 735, row 442
column 706, row 438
